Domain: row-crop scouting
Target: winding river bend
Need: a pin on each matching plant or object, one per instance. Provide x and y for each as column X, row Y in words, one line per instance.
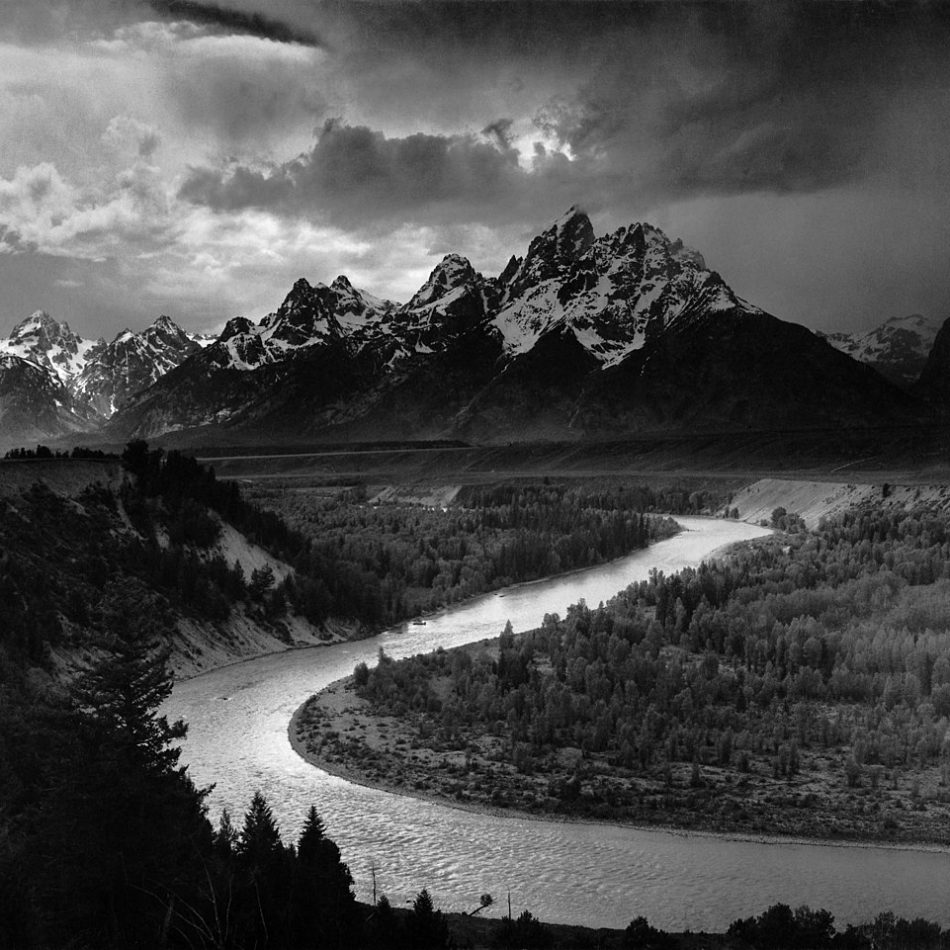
column 599, row 875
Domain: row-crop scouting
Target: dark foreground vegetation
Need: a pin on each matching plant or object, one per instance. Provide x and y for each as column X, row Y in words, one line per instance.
column 802, row 686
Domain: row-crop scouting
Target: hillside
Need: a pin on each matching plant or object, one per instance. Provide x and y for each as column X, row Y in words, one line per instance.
column 814, row 500
column 79, row 540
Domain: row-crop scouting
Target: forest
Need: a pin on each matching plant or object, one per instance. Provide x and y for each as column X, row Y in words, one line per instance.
column 107, row 845
column 105, row 842
column 802, row 685
column 387, row 563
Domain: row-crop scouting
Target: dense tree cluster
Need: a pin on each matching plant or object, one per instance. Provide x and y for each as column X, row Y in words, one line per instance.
column 834, row 642
column 44, row 452
column 59, row 556
column 836, row 639
column 781, row 928
column 385, row 564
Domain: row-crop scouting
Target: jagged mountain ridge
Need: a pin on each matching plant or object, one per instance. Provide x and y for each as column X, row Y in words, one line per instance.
column 472, row 356
column 898, row 349
column 132, row 362
column 613, row 292
column 80, row 382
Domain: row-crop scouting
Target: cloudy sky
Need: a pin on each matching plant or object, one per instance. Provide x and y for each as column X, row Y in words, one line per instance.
column 190, row 158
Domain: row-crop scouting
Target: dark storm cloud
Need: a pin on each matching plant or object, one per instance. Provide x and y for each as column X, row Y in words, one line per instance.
column 29, row 20
column 664, row 102
column 358, row 176
column 733, row 100
column 252, row 24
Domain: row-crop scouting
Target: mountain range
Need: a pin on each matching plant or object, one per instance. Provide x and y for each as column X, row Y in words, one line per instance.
column 53, row 381
column 582, row 337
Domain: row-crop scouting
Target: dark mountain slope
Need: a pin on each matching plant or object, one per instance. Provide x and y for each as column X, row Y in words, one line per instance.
column 934, row 383
column 534, row 396
column 34, row 403
column 424, row 398
column 734, row 370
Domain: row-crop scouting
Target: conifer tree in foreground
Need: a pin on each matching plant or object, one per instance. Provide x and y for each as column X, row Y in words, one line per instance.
column 123, row 830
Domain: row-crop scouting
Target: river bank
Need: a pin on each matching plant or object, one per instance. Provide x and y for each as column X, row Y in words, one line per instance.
column 337, row 731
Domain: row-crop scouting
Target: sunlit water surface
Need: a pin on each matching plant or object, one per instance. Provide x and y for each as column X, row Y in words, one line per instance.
column 600, row 875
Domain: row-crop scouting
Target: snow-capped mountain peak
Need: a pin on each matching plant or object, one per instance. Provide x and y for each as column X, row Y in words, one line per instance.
column 234, row 327
column 550, row 254
column 612, row 292
column 50, row 344
column 573, row 233
column 897, row 349
column 581, row 334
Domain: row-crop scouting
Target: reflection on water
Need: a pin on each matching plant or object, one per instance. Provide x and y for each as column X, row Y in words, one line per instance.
column 566, row 872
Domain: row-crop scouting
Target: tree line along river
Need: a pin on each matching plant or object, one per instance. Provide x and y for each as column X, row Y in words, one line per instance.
column 569, row 872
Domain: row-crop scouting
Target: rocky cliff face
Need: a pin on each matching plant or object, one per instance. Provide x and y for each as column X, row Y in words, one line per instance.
column 934, row 383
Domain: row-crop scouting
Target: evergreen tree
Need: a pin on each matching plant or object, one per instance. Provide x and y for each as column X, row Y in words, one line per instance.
column 123, row 832
column 265, row 872
column 311, row 837
column 525, row 933
column 259, row 842
column 225, row 838
column 426, row 927
column 324, row 906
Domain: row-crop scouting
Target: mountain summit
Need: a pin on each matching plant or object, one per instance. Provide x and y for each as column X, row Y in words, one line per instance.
column 130, row 363
column 612, row 292
column 50, row 344
column 58, row 382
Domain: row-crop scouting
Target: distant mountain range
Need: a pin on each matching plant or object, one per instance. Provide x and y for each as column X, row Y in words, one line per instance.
column 583, row 337
column 53, row 381
column 897, row 349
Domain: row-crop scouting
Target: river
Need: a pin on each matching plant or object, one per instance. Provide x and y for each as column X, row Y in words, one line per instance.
column 598, row 875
